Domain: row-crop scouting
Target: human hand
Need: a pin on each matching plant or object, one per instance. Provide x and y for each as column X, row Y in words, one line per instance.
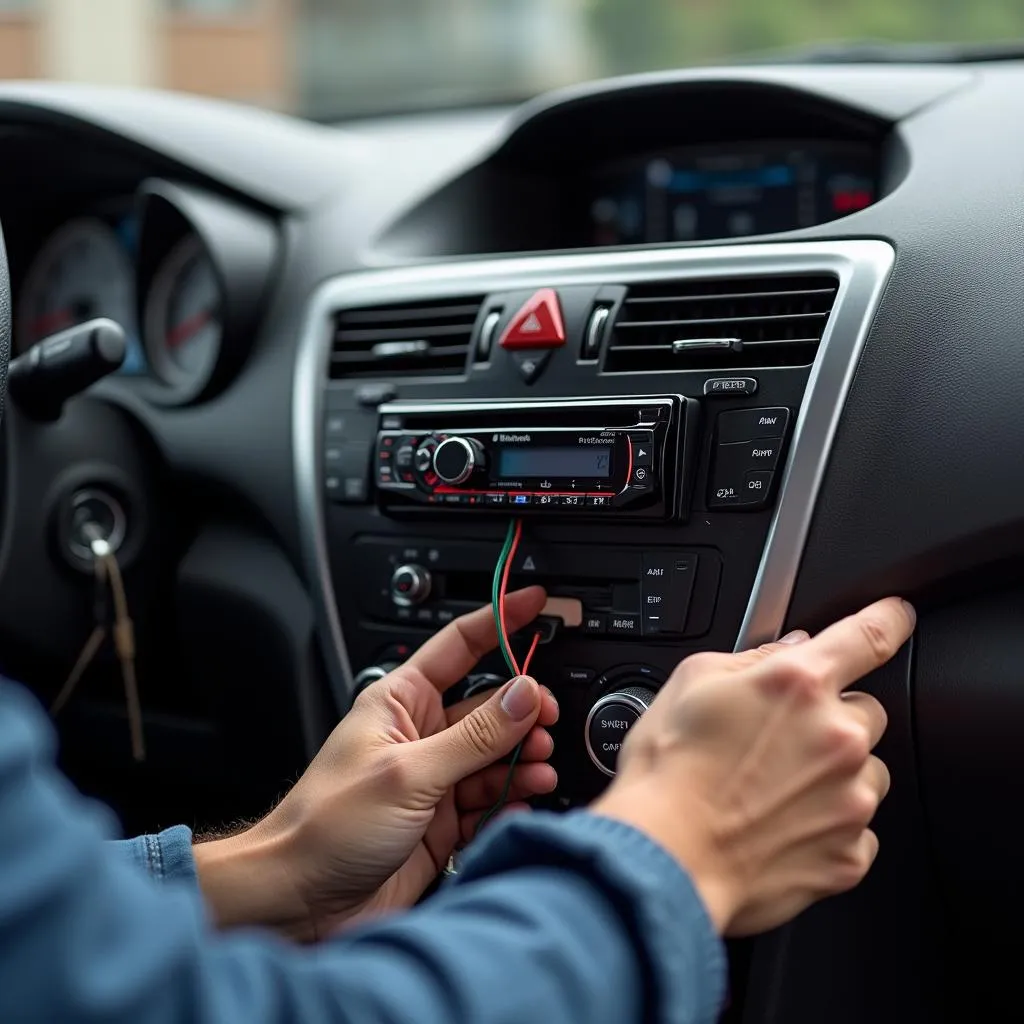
column 399, row 784
column 755, row 770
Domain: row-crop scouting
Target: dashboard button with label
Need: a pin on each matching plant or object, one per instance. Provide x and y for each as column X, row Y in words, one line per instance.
column 723, row 387
column 595, row 623
column 598, row 501
column 578, row 676
column 750, row 424
column 666, row 589
column 623, row 624
column 610, row 719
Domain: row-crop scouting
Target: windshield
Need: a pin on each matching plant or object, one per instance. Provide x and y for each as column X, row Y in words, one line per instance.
column 329, row 59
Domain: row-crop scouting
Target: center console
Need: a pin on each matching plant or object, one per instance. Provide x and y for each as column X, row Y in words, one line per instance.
column 658, row 420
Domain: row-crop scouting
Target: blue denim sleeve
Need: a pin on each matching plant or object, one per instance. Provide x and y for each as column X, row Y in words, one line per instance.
column 166, row 856
column 572, row 920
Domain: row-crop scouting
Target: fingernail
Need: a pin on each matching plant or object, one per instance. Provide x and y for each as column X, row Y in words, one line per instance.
column 798, row 636
column 911, row 611
column 520, row 698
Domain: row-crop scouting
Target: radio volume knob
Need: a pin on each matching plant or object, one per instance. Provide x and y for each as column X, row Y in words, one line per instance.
column 410, row 585
column 456, row 458
column 610, row 719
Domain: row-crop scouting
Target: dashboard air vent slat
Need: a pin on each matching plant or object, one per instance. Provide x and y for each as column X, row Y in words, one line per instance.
column 423, row 339
column 721, row 325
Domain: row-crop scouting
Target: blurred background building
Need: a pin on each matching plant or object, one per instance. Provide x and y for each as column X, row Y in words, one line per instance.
column 319, row 56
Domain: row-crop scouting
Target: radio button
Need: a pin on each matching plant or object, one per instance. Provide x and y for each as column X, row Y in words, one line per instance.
column 623, row 625
column 423, row 459
column 572, row 500
column 595, row 623
column 496, row 498
column 643, row 447
column 519, row 500
column 546, row 499
column 598, row 501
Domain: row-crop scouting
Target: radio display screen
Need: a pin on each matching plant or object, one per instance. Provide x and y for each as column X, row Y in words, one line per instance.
column 579, row 461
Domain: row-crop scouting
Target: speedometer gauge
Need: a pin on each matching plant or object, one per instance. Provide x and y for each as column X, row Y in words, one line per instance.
column 184, row 317
column 82, row 272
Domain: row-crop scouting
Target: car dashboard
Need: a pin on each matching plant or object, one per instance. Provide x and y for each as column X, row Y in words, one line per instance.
column 738, row 348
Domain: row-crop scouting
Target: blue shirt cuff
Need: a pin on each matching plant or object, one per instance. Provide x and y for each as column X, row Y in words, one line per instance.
column 165, row 856
column 657, row 900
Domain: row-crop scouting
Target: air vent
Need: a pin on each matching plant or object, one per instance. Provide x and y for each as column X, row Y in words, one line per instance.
column 724, row 324
column 424, row 339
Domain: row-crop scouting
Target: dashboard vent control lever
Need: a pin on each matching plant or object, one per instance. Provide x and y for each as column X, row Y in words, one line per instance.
column 689, row 344
column 595, row 332
column 56, row 369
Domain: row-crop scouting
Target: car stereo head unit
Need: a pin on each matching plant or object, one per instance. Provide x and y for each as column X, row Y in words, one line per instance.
column 589, row 456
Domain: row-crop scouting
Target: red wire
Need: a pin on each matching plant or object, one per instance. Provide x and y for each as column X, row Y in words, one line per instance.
column 529, row 654
column 503, row 587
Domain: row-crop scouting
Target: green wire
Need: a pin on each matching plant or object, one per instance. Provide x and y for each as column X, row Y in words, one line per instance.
column 499, row 571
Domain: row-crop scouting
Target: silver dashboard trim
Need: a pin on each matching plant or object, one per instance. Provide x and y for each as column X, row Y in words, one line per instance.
column 861, row 265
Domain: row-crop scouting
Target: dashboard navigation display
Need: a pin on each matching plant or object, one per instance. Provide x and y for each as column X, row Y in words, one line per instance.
column 691, row 194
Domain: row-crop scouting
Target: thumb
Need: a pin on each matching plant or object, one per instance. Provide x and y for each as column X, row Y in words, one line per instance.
column 485, row 735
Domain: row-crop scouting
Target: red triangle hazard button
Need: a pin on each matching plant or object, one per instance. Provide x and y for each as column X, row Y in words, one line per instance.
column 538, row 324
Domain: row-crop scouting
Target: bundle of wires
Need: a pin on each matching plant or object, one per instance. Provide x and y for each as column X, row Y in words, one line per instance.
column 499, row 586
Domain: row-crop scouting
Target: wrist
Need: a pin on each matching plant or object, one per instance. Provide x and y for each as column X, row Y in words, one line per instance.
column 678, row 833
column 246, row 881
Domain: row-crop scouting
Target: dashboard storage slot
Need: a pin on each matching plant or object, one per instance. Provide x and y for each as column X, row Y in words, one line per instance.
column 721, row 324
column 628, row 593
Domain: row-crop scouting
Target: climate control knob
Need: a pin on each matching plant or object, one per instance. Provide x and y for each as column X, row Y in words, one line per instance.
column 456, row 459
column 610, row 719
column 410, row 585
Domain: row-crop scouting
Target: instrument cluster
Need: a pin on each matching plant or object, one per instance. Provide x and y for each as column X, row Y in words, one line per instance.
column 183, row 272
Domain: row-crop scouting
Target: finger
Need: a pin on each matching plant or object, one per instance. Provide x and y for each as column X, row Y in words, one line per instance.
column 797, row 636
column 450, row 654
column 548, row 709
column 856, row 645
column 868, row 712
column 538, row 746
column 482, row 737
column 469, row 824
column 876, row 776
column 484, row 789
column 858, row 862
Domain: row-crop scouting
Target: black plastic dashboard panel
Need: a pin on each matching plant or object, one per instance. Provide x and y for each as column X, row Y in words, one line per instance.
column 861, row 267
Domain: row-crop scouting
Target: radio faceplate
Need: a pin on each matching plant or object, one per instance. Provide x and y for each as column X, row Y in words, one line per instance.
column 574, row 457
